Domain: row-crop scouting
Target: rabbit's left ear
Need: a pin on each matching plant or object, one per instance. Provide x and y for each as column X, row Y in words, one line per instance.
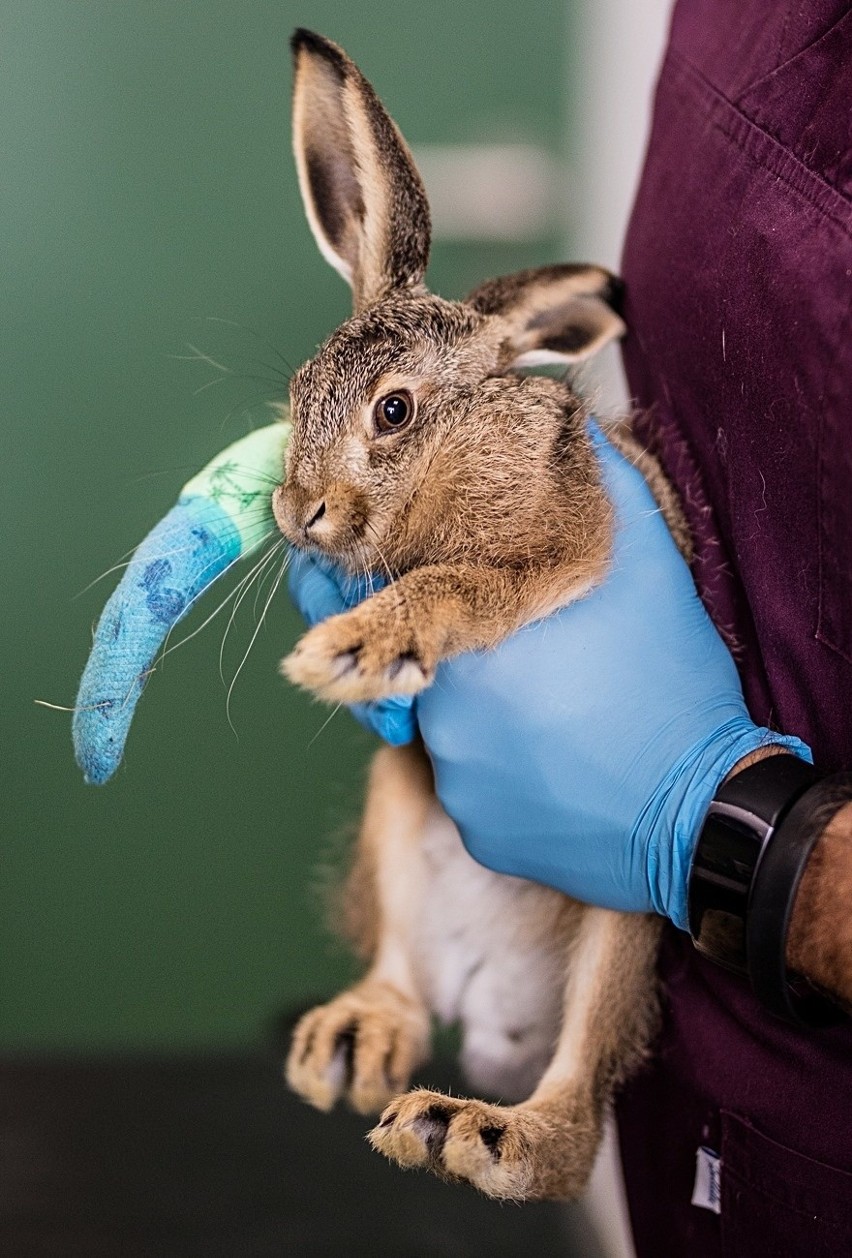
column 363, row 197
column 552, row 314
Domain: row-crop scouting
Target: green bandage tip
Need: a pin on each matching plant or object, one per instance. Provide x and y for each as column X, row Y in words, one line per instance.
column 241, row 479
column 223, row 513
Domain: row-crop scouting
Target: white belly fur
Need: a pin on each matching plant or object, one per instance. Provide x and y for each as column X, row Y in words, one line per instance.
column 490, row 954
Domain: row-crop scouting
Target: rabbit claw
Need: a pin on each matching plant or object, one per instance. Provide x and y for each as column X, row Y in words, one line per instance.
column 347, row 659
column 362, row 1047
column 512, row 1153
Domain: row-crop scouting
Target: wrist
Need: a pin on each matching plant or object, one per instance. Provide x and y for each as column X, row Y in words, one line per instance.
column 670, row 825
column 819, row 942
column 755, row 844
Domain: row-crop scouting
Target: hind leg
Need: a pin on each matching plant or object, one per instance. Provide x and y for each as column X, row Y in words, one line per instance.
column 546, row 1146
column 365, row 1044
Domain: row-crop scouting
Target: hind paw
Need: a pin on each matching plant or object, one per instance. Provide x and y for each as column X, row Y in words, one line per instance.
column 363, row 1047
column 510, row 1152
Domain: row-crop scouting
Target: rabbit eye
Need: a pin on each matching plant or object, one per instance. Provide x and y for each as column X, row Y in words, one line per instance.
column 393, row 411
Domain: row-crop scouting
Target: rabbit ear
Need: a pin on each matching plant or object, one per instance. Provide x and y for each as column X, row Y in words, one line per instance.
column 554, row 313
column 364, row 199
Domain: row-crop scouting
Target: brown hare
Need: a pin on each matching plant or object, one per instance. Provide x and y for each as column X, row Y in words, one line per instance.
column 419, row 452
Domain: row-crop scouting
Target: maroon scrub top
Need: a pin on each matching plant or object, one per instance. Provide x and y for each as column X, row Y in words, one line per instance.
column 738, row 266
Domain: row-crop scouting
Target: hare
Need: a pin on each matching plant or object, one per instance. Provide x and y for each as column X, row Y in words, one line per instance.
column 419, row 452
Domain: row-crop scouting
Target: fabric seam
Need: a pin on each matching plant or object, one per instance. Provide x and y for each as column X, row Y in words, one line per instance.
column 782, row 156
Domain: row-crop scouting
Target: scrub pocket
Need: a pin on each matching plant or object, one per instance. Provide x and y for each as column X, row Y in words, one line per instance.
column 804, row 107
column 815, row 217
column 762, row 300
column 780, row 1203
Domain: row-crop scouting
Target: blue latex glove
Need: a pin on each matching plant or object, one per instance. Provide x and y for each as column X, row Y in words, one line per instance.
column 320, row 590
column 583, row 752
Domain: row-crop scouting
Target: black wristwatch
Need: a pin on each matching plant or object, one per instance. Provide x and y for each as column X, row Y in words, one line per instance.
column 757, row 836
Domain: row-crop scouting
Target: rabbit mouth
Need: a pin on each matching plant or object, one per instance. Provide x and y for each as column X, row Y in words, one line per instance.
column 321, row 524
column 357, row 556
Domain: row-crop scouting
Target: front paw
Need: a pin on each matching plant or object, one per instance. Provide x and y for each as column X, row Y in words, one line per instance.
column 350, row 659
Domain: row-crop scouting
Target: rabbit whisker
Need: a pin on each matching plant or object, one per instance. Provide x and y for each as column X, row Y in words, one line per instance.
column 277, row 377
column 284, row 565
column 324, row 725
column 246, row 403
column 167, row 650
column 208, row 384
column 276, row 380
column 122, row 563
column 379, row 552
column 258, row 472
column 253, row 332
column 61, row 707
column 244, row 587
column 259, row 588
column 256, row 512
column 127, row 558
column 198, row 356
column 400, row 588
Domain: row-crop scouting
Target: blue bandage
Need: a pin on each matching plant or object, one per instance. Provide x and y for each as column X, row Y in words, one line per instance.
column 177, row 561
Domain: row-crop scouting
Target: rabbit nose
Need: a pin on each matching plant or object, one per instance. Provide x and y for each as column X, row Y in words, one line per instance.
column 313, row 515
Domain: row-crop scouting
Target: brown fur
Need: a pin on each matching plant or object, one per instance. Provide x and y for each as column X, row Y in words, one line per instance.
column 667, row 500
column 485, row 511
column 379, row 227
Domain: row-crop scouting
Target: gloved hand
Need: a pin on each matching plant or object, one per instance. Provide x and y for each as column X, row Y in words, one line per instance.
column 583, row 752
column 319, row 590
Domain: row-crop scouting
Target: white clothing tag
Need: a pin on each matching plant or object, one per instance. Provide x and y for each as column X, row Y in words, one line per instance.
column 707, row 1192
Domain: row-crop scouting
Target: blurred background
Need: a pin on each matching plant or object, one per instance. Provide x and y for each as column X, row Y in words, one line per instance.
column 159, row 282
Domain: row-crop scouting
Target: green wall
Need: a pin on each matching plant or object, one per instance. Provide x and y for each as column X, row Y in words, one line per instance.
column 149, row 201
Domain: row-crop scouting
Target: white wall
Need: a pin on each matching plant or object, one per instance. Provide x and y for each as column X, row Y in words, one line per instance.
column 621, row 48
column 621, row 44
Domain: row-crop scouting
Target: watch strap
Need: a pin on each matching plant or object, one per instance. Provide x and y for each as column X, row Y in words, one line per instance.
column 742, row 818
column 776, row 883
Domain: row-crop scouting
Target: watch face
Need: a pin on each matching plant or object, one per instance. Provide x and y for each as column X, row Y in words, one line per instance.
column 739, row 826
column 719, row 883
